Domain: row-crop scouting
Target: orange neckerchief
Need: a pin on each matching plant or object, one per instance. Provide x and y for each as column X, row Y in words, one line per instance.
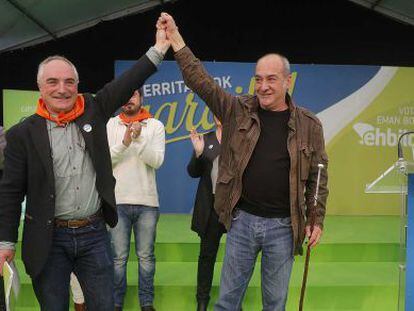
column 141, row 115
column 63, row 117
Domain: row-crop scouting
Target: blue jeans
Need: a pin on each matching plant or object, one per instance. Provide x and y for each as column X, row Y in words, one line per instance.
column 85, row 251
column 248, row 235
column 143, row 220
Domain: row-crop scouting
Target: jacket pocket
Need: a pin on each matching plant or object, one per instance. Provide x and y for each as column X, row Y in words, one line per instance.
column 223, row 192
column 224, row 178
column 305, row 161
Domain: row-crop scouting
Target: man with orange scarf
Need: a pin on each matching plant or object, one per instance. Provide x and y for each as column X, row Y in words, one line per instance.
column 59, row 159
column 137, row 145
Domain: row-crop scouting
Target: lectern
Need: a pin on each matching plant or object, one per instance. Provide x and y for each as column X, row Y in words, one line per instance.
column 399, row 179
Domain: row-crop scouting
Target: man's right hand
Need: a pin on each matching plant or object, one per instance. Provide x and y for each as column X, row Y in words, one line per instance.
column 5, row 255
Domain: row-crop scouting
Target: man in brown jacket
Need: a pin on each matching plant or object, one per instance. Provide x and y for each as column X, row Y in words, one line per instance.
column 265, row 193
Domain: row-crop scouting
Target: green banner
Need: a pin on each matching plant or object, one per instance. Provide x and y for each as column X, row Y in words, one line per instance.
column 17, row 105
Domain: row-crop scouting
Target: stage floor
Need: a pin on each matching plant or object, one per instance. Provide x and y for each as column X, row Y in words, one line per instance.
column 354, row 268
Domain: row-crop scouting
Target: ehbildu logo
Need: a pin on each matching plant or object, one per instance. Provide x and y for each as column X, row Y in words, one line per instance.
column 375, row 136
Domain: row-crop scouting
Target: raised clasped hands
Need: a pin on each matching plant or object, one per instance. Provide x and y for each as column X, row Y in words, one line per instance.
column 166, row 24
column 162, row 44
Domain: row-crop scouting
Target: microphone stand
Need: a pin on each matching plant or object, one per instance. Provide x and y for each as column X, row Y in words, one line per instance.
column 402, row 163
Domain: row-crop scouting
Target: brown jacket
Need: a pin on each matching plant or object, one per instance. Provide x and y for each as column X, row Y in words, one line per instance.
column 241, row 130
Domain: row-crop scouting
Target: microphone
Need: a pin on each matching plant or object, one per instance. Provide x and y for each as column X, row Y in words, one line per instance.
column 400, row 152
column 320, row 167
column 402, row 164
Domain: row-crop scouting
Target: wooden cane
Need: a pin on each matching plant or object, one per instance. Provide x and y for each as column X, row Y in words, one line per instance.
column 305, row 278
column 308, row 250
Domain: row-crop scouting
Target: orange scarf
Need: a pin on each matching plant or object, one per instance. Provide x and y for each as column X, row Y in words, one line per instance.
column 141, row 115
column 63, row 117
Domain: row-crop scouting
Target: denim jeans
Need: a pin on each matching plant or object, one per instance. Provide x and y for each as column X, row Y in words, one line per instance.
column 248, row 235
column 143, row 220
column 86, row 251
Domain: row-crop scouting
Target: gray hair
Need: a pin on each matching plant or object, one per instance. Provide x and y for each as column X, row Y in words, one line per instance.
column 52, row 58
column 285, row 62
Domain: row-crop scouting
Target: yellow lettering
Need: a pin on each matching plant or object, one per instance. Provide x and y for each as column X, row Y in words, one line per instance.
column 292, row 83
column 192, row 108
column 188, row 114
column 170, row 128
column 251, row 86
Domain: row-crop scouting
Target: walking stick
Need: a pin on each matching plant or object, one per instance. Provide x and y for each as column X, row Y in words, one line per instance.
column 308, row 250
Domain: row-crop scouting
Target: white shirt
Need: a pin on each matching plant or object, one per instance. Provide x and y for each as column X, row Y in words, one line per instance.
column 134, row 166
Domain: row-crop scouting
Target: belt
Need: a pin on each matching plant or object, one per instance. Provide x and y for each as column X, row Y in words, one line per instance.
column 77, row 223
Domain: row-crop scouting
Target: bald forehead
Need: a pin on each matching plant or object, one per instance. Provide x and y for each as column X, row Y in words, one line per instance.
column 57, row 64
column 271, row 58
column 273, row 62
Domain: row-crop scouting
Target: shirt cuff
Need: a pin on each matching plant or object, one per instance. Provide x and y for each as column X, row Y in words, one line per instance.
column 155, row 56
column 119, row 148
column 8, row 245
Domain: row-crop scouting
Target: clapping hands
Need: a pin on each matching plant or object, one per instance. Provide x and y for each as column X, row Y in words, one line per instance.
column 198, row 142
column 132, row 131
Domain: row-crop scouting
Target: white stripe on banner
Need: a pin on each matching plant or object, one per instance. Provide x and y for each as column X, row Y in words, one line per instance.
column 350, row 107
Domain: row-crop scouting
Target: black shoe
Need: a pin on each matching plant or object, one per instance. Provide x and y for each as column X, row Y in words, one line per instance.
column 147, row 308
column 202, row 305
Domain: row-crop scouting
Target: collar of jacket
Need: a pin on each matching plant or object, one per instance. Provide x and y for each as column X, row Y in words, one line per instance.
column 293, row 111
column 252, row 105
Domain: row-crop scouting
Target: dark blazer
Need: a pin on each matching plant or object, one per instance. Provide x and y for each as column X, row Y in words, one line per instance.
column 201, row 168
column 28, row 167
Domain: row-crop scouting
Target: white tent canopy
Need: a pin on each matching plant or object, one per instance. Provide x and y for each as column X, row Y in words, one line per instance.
column 28, row 22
